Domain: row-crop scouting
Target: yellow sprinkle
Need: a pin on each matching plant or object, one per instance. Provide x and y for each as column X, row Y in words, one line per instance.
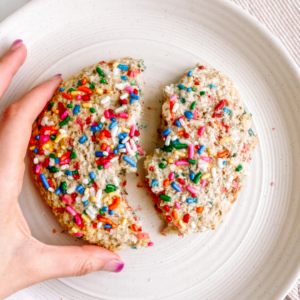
column 60, row 136
column 48, row 146
column 231, row 91
column 87, row 105
column 115, row 64
column 121, row 209
column 32, row 148
column 74, row 229
column 59, row 154
column 210, row 151
column 112, row 146
column 110, row 92
column 231, row 162
column 177, row 169
column 226, row 139
column 190, row 79
column 105, row 199
column 110, row 201
column 86, row 191
column 99, row 91
column 85, row 218
column 170, row 160
column 93, row 199
column 195, row 86
column 205, row 176
column 115, row 193
column 124, row 222
column 125, row 130
column 179, row 153
column 92, row 230
column 181, row 224
column 57, row 111
column 63, row 147
column 76, row 93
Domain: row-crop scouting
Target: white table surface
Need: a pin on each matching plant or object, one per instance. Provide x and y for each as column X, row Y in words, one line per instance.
column 281, row 17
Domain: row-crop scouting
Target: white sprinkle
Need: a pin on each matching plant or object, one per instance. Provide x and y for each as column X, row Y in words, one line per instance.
column 121, row 86
column 119, row 130
column 92, row 192
column 63, row 167
column 214, row 172
column 220, row 163
column 230, row 178
column 174, row 138
column 91, row 215
column 98, row 204
column 47, row 132
column 51, row 189
column 36, row 160
column 62, row 130
column 99, row 225
column 78, row 199
column 136, row 138
column 122, row 150
column 183, row 141
column 124, row 96
column 114, row 131
column 46, row 152
column 203, row 228
column 44, row 121
column 114, row 159
column 85, row 181
column 203, row 165
column 105, row 100
column 105, row 153
column 85, row 197
column 116, row 71
column 70, row 177
column 98, row 195
column 50, row 123
column 102, row 120
column 71, row 189
column 168, row 139
column 58, row 174
column 51, row 162
column 134, row 239
column 121, row 108
column 92, row 209
column 116, row 181
column 175, row 107
column 133, row 145
column 193, row 224
column 182, row 122
column 125, row 140
column 128, row 148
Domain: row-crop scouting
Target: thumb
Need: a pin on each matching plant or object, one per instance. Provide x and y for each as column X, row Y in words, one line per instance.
column 68, row 261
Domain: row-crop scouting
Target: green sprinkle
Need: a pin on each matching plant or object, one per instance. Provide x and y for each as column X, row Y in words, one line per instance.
column 191, row 161
column 65, row 121
column 92, row 110
column 111, row 186
column 101, row 211
column 71, row 90
column 163, row 159
column 64, row 185
column 202, row 93
column 161, row 165
column 36, row 119
column 91, row 86
column 133, row 83
column 85, row 212
column 73, row 155
column 167, row 148
column 244, row 112
column 50, row 105
column 239, row 168
column 165, row 197
column 53, row 170
column 180, row 146
column 143, row 64
column 176, row 175
column 140, row 92
column 51, row 155
column 100, row 167
column 75, row 172
column 193, row 105
column 52, row 137
column 194, row 90
column 251, row 115
column 69, row 105
column 182, row 100
column 103, row 80
column 100, row 72
column 91, row 181
column 197, row 177
column 109, row 190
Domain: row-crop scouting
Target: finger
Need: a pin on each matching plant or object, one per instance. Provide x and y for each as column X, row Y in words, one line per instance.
column 67, row 261
column 16, row 123
column 10, row 63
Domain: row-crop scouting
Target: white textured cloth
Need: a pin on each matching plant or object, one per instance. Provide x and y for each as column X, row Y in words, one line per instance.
column 281, row 17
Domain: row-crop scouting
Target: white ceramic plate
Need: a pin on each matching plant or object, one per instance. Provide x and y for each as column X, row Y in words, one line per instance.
column 254, row 253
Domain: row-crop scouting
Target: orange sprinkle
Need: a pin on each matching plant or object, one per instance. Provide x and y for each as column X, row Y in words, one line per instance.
column 102, row 135
column 223, row 154
column 83, row 81
column 199, row 209
column 175, row 214
column 180, row 133
column 85, row 90
column 134, row 227
column 219, row 125
column 166, row 183
column 115, row 203
column 104, row 146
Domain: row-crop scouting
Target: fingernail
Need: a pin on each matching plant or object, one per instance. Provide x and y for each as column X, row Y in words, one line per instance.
column 16, row 44
column 114, row 266
column 55, row 76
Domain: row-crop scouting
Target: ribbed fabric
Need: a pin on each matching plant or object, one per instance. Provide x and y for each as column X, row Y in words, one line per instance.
column 282, row 18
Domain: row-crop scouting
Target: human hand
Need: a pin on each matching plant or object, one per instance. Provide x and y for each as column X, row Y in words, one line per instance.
column 24, row 260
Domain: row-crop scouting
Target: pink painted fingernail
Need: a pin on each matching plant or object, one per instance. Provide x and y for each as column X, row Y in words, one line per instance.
column 114, row 266
column 16, row 44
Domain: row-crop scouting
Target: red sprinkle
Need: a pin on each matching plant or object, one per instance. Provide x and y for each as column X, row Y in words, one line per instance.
column 169, row 218
column 67, row 96
column 167, row 208
column 186, row 218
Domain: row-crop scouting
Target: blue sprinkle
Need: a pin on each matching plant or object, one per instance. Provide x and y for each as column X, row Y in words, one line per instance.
column 133, row 248
column 224, row 162
column 79, row 189
column 182, row 100
column 68, row 173
column 57, row 160
column 45, row 182
column 113, row 124
column 190, row 200
column 82, row 139
column 86, row 202
column 61, row 89
column 178, row 124
column 189, row 90
column 107, row 226
column 167, row 131
column 181, row 87
column 189, row 115
column 111, row 212
column 123, row 67
column 131, row 100
column 121, row 136
column 251, row 132
column 35, row 150
column 192, row 176
column 124, row 78
column 37, row 137
column 226, row 110
column 79, row 83
column 190, row 74
column 200, row 151
column 176, row 187
column 175, row 142
column 154, row 183
column 76, row 109
column 99, row 154
column 113, row 119
column 195, row 200
column 212, row 86
column 116, row 151
column 58, row 191
column 105, row 208
column 95, row 128
column 134, row 96
column 129, row 160
column 92, row 175
column 121, row 146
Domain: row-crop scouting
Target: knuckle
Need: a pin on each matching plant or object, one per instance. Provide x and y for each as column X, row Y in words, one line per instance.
column 84, row 267
column 11, row 111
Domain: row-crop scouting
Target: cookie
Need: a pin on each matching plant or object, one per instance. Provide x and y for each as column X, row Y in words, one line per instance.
column 82, row 145
column 195, row 177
